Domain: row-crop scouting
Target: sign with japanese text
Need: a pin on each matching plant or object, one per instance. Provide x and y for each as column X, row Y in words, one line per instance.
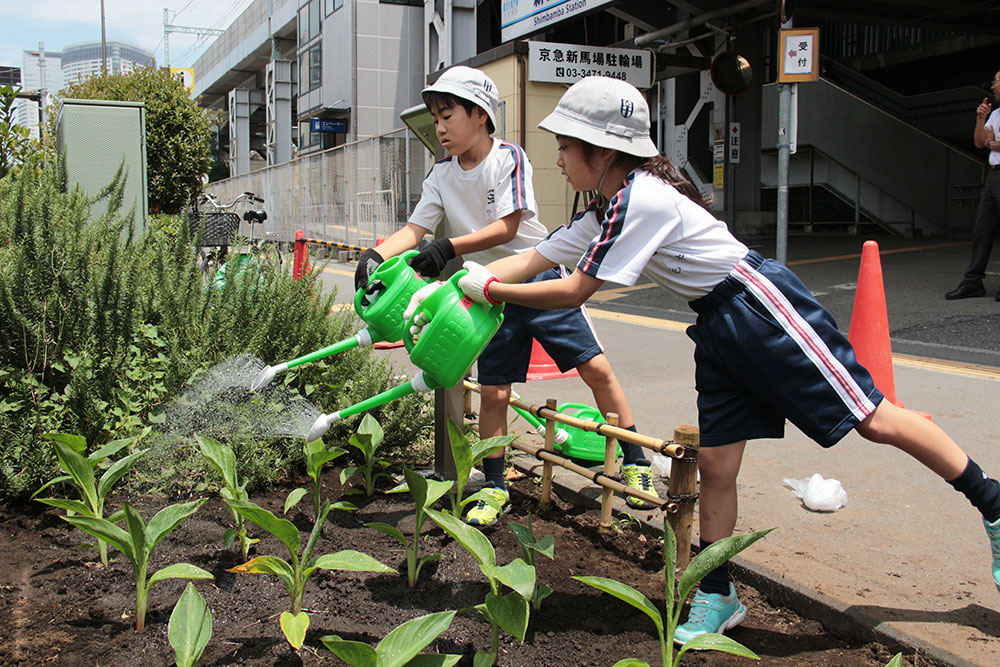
column 568, row 63
column 328, row 125
column 734, row 143
column 799, row 57
column 524, row 17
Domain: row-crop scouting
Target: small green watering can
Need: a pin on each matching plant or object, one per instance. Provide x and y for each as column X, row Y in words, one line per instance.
column 572, row 441
column 380, row 305
column 455, row 332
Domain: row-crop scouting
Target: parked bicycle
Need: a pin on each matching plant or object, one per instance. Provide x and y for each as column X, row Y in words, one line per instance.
column 219, row 224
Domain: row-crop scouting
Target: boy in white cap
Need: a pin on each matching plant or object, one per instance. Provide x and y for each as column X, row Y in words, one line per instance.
column 483, row 192
column 765, row 349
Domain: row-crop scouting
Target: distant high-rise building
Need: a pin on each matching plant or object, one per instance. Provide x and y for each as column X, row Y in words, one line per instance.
column 10, row 76
column 82, row 60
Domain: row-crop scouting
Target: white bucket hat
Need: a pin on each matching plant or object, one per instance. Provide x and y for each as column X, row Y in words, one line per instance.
column 605, row 112
column 469, row 84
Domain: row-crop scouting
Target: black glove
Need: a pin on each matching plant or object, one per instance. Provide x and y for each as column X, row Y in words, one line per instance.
column 367, row 264
column 431, row 260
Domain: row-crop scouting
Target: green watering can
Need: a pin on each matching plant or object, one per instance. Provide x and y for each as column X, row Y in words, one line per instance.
column 572, row 441
column 455, row 332
column 380, row 305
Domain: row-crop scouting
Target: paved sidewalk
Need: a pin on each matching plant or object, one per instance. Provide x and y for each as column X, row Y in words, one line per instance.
column 906, row 559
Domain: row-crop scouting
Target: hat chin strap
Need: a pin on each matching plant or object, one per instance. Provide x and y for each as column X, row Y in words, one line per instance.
column 602, row 199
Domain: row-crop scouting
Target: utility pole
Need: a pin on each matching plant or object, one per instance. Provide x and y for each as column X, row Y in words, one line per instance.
column 169, row 28
column 104, row 43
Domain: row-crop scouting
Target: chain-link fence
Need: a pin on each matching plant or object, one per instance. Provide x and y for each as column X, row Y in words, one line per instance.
column 350, row 194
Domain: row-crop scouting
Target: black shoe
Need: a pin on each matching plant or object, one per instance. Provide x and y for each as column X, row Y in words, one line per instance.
column 966, row 290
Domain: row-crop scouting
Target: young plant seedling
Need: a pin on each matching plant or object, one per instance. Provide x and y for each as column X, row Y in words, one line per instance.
column 190, row 627
column 400, row 647
column 508, row 612
column 466, row 457
column 529, row 547
column 706, row 561
column 366, row 441
column 296, row 573
column 425, row 494
column 223, row 460
column 316, row 455
column 137, row 545
column 82, row 473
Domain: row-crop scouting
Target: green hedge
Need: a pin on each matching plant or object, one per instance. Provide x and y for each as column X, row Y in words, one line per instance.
column 100, row 328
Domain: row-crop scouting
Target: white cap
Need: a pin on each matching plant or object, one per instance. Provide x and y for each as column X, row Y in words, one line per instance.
column 605, row 112
column 469, row 84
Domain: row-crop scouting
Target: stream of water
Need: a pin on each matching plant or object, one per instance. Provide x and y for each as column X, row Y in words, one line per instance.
column 220, row 405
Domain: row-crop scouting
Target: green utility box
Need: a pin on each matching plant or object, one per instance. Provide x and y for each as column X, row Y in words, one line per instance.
column 94, row 137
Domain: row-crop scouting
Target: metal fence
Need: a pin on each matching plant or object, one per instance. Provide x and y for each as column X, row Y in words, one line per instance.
column 350, row 194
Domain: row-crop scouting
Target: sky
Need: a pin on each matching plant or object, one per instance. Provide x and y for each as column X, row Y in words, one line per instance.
column 59, row 23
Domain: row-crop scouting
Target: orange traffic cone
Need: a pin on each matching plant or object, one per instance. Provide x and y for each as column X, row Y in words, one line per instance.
column 542, row 367
column 869, row 331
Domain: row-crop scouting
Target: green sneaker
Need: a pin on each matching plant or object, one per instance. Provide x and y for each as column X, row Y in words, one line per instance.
column 993, row 532
column 711, row 612
column 639, row 476
column 482, row 513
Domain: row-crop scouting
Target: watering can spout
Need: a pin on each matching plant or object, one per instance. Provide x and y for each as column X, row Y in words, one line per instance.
column 322, row 425
column 266, row 375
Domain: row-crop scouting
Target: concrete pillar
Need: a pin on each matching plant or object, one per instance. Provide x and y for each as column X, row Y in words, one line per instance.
column 239, row 132
column 279, row 111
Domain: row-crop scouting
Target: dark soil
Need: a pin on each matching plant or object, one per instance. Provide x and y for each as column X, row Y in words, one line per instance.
column 58, row 607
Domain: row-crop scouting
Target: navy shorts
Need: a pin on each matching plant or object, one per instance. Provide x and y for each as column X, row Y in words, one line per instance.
column 766, row 351
column 567, row 335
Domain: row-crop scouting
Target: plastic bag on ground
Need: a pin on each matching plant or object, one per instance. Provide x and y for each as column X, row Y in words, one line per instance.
column 818, row 494
column 662, row 465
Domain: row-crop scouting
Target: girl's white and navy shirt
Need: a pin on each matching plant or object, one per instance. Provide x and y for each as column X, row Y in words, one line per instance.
column 470, row 199
column 652, row 229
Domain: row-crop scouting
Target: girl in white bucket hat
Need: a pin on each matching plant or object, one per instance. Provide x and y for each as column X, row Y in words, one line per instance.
column 765, row 349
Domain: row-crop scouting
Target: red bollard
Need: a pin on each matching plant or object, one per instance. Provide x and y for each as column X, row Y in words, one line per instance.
column 300, row 262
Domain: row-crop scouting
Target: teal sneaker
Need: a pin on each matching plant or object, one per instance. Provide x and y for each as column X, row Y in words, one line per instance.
column 993, row 532
column 711, row 612
column 639, row 476
column 482, row 513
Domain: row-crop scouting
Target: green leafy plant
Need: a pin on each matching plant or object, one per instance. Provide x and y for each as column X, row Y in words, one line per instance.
column 296, row 573
column 400, row 647
column 190, row 627
column 530, row 546
column 466, row 457
column 316, row 455
column 897, row 661
column 712, row 557
column 137, row 545
column 372, row 468
column 222, row 459
column 82, row 473
column 16, row 145
column 425, row 493
column 508, row 612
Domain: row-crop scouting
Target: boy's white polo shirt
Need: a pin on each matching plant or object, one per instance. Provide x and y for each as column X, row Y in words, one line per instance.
column 651, row 229
column 471, row 199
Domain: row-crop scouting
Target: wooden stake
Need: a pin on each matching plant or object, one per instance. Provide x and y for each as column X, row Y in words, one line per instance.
column 550, row 440
column 610, row 450
column 684, row 483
